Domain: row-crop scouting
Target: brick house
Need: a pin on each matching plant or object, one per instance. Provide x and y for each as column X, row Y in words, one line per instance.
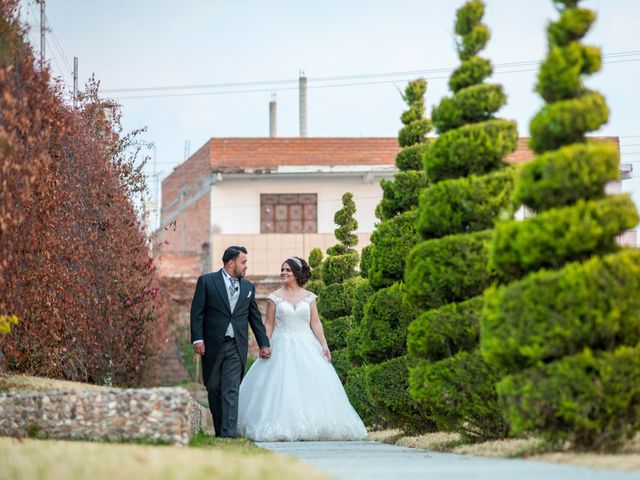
column 276, row 196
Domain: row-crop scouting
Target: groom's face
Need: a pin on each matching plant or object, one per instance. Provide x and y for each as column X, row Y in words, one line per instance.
column 240, row 265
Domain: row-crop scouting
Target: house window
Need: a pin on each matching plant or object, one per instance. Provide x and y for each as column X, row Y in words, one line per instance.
column 289, row 213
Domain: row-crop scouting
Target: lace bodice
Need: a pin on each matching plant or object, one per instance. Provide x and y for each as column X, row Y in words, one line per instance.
column 292, row 318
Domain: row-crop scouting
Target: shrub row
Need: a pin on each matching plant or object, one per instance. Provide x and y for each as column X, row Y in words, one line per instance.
column 562, row 177
column 460, row 393
column 554, row 313
column 336, row 330
column 561, row 235
column 448, row 269
column 443, row 332
column 589, row 399
column 471, row 149
column 466, row 204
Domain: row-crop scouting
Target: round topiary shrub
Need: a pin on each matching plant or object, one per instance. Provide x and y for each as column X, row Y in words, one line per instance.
column 446, row 331
column 362, row 295
column 460, row 393
column 336, row 330
column 338, row 268
column 383, row 330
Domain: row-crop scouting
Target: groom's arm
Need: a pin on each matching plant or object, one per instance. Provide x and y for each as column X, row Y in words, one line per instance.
column 197, row 313
column 255, row 320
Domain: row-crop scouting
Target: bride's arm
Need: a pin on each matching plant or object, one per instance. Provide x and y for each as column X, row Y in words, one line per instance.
column 270, row 322
column 318, row 331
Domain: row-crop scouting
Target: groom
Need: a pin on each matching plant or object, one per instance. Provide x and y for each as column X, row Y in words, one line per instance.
column 223, row 304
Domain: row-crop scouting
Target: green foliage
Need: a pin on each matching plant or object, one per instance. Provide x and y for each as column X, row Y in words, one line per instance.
column 346, row 222
column 470, row 72
column 401, row 194
column 365, row 261
column 415, row 132
column 588, row 304
column 562, row 177
column 410, row 158
column 362, row 295
column 392, row 241
column 387, row 388
column 341, row 363
column 473, row 104
column 464, row 204
column 338, row 268
column 448, row 269
column 561, row 235
column 335, row 331
column 5, row 323
column 460, row 393
column 383, row 329
column 471, row 149
column 474, row 35
column 564, row 122
column 573, row 24
column 356, row 389
column 336, row 298
column 589, row 399
column 315, row 286
column 315, row 262
column 446, row 331
column 415, row 127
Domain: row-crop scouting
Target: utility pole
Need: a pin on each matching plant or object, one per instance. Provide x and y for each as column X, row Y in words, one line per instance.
column 42, row 34
column 75, row 81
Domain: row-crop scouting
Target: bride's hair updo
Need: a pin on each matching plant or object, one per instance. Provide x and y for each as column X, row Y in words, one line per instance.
column 300, row 269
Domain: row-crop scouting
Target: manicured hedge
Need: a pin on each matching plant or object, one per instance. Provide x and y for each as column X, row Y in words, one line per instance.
column 336, row 298
column 401, row 194
column 554, row 313
column 392, row 240
column 411, row 157
column 564, row 176
column 561, row 235
column 443, row 332
column 341, row 363
column 460, row 393
column 383, row 330
column 335, row 331
column 356, row 388
column 361, row 296
column 589, row 399
column 565, row 122
column 470, row 72
column 476, row 103
column 387, row 388
column 338, row 268
column 466, row 204
column 448, row 269
column 471, row 149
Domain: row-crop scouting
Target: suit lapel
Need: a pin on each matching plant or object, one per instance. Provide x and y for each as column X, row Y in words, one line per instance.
column 244, row 290
column 222, row 289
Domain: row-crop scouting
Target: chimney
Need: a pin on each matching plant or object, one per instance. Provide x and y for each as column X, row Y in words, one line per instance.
column 272, row 116
column 302, row 86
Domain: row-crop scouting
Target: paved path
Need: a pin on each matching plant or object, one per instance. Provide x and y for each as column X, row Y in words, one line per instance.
column 378, row 461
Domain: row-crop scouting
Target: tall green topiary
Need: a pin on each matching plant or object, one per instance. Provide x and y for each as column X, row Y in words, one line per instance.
column 567, row 333
column 315, row 284
column 447, row 272
column 380, row 314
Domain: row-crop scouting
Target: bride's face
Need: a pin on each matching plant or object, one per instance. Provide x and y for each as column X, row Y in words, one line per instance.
column 286, row 274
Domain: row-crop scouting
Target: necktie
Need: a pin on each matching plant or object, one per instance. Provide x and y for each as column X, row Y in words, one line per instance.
column 233, row 286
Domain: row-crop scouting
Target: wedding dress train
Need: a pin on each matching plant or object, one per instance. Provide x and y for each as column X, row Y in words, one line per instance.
column 296, row 394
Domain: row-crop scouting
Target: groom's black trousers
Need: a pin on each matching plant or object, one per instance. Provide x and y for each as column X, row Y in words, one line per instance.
column 223, row 387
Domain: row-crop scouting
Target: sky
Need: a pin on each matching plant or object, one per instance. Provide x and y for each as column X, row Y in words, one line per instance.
column 145, row 44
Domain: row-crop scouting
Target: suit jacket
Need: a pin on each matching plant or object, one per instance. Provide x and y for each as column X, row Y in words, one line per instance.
column 211, row 315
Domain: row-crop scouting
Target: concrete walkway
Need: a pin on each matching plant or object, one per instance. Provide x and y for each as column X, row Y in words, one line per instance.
column 378, row 461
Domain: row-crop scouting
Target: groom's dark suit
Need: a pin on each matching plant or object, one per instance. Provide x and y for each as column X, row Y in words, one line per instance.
column 225, row 358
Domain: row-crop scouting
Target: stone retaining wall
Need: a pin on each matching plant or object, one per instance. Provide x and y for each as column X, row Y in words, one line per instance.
column 158, row 414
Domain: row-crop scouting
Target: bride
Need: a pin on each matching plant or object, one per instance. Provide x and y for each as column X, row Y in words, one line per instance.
column 296, row 394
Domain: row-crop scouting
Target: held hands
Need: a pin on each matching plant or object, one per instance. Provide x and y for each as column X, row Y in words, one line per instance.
column 198, row 348
column 265, row 353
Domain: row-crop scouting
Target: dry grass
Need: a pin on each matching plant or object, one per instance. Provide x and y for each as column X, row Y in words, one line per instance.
column 60, row 460
column 27, row 383
column 529, row 448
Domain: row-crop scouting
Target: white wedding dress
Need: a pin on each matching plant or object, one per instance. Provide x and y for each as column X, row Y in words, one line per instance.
column 296, row 394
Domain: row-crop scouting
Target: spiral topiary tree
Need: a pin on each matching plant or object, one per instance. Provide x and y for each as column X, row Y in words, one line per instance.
column 567, row 333
column 340, row 281
column 378, row 384
column 447, row 272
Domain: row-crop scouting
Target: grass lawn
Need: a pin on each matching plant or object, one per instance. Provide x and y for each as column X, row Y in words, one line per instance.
column 221, row 459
